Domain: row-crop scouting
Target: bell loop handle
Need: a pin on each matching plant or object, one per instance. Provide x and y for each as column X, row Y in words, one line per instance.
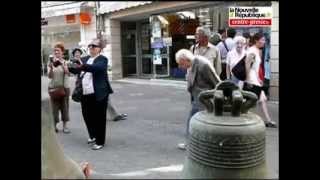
column 227, row 97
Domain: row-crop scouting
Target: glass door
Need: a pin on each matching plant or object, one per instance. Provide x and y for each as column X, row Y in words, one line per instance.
column 160, row 42
column 129, row 49
column 146, row 51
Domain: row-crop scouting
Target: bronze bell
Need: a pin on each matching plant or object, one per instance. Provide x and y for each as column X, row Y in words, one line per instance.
column 229, row 143
column 54, row 163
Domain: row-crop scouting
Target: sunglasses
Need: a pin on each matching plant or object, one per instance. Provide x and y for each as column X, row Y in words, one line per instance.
column 92, row 46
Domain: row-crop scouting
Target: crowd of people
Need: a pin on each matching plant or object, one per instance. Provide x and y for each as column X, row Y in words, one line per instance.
column 91, row 71
column 209, row 63
column 206, row 63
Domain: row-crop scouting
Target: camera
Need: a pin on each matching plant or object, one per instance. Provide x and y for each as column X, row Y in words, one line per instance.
column 56, row 63
column 75, row 61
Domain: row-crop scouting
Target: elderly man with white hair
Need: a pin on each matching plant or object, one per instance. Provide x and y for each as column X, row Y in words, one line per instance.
column 234, row 56
column 201, row 76
column 204, row 48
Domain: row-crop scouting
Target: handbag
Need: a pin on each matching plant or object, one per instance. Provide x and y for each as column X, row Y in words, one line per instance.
column 239, row 70
column 57, row 92
column 78, row 90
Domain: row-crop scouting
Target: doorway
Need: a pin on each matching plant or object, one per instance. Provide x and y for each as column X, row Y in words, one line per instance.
column 138, row 54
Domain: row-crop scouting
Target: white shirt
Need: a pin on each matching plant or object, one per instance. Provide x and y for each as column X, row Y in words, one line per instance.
column 87, row 80
column 223, row 51
column 253, row 77
column 233, row 57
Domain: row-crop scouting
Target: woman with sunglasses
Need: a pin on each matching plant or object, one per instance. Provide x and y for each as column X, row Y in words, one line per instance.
column 96, row 90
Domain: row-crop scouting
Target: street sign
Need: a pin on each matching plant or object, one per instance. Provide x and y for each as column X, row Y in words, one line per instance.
column 250, row 16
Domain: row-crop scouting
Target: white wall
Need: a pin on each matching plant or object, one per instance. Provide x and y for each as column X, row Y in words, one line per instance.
column 113, row 49
column 274, row 52
column 88, row 31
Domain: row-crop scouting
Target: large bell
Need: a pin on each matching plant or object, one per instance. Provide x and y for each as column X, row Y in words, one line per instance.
column 229, row 143
column 54, row 163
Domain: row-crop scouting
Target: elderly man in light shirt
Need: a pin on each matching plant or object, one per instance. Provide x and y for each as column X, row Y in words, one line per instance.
column 204, row 48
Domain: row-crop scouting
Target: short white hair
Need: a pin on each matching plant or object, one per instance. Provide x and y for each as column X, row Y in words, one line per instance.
column 184, row 54
column 205, row 30
column 239, row 39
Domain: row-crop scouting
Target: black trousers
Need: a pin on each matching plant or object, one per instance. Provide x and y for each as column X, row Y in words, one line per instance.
column 223, row 75
column 95, row 117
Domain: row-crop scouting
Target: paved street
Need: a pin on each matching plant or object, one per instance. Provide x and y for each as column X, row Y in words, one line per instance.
column 145, row 145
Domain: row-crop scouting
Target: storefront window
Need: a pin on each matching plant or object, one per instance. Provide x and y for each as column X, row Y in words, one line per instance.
column 174, row 31
column 149, row 45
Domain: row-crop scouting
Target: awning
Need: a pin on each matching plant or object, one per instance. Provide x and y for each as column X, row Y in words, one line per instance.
column 62, row 9
column 112, row 6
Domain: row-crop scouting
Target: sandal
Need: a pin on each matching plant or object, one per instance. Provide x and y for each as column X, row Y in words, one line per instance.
column 271, row 124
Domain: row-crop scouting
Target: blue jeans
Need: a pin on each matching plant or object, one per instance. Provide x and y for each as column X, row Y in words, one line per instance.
column 194, row 110
column 235, row 80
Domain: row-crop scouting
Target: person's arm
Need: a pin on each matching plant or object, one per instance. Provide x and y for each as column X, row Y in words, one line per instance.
column 217, row 62
column 65, row 68
column 210, row 75
column 100, row 65
column 50, row 70
column 191, row 48
column 228, row 70
column 249, row 60
column 74, row 67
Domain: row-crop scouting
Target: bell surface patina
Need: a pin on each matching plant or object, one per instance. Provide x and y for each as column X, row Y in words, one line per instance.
column 226, row 141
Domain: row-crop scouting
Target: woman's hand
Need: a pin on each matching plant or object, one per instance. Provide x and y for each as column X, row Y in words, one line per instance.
column 78, row 61
column 65, row 67
column 50, row 70
column 50, row 65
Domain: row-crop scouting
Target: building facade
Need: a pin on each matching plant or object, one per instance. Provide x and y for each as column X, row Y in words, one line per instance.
column 70, row 22
column 144, row 36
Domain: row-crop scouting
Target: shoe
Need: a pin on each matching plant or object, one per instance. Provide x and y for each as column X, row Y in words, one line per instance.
column 56, row 128
column 97, row 147
column 66, row 130
column 90, row 141
column 120, row 117
column 124, row 115
column 182, row 146
column 271, row 124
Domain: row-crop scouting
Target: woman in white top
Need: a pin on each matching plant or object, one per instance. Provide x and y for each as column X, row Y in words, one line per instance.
column 234, row 56
column 255, row 75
